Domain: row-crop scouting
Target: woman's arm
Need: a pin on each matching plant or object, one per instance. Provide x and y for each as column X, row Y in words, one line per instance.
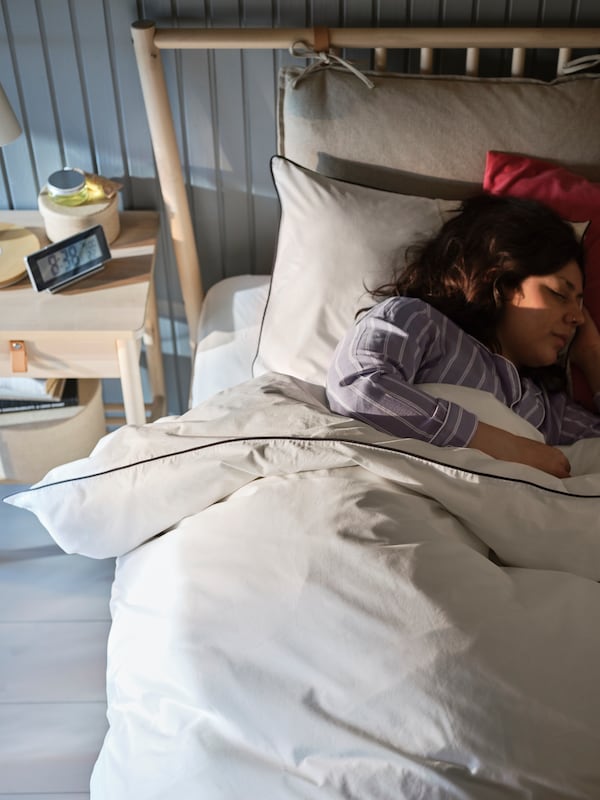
column 376, row 365
column 508, row 447
column 372, row 378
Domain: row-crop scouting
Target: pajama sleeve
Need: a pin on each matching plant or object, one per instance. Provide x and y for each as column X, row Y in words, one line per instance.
column 372, row 377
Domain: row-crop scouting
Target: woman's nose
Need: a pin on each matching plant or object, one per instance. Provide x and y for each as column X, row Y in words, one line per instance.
column 575, row 315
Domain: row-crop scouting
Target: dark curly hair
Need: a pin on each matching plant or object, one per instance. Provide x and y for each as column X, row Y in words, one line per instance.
column 480, row 254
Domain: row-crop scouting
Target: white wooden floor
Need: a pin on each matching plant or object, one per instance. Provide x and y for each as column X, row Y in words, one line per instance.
column 54, row 622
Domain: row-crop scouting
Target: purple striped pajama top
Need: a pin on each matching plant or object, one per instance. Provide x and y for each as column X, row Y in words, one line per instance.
column 404, row 341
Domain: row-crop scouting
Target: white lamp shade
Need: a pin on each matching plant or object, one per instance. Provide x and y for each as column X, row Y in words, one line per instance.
column 9, row 125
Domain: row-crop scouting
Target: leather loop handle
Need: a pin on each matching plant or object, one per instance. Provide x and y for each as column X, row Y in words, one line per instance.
column 321, row 39
column 18, row 355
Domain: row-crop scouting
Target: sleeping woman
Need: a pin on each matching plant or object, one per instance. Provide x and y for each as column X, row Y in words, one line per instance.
column 491, row 302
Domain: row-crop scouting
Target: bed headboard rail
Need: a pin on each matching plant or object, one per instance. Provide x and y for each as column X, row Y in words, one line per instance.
column 426, row 40
column 149, row 40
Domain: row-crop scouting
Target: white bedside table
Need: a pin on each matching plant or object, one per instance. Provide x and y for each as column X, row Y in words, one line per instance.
column 95, row 328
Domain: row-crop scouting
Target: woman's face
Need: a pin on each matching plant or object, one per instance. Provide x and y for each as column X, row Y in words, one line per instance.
column 541, row 316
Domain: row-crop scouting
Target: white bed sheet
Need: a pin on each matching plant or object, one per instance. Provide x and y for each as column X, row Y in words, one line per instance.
column 228, row 332
column 54, row 622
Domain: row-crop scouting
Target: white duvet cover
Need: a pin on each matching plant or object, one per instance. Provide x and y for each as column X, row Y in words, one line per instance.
column 306, row 608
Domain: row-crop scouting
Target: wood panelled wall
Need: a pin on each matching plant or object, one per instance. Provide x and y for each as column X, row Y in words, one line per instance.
column 68, row 69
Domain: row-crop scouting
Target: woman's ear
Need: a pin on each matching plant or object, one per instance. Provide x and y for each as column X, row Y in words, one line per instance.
column 503, row 294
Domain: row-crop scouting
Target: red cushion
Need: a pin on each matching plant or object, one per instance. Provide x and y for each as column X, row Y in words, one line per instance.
column 573, row 197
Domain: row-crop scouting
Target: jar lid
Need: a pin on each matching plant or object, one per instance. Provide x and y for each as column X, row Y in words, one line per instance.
column 66, row 181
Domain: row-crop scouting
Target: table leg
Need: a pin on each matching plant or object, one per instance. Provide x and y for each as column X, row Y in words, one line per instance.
column 131, row 381
column 154, row 357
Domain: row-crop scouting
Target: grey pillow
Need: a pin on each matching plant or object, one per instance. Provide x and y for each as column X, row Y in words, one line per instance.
column 427, row 134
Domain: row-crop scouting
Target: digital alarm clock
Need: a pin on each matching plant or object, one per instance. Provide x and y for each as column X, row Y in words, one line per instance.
column 62, row 263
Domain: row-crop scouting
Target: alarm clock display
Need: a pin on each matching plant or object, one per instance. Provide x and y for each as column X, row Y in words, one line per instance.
column 62, row 263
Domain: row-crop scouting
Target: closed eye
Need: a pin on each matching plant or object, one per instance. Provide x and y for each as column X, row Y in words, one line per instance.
column 559, row 294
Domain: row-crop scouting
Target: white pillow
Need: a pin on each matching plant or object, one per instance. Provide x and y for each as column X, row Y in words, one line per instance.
column 485, row 406
column 336, row 241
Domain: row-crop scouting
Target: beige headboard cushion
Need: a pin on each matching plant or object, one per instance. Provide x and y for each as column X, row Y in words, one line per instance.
column 429, row 135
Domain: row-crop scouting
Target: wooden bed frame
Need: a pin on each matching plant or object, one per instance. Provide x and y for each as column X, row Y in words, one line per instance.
column 149, row 40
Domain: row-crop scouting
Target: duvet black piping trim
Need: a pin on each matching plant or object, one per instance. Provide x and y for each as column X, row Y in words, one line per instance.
column 365, row 445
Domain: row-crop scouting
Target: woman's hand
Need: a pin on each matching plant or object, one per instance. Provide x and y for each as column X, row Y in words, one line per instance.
column 508, row 447
column 585, row 351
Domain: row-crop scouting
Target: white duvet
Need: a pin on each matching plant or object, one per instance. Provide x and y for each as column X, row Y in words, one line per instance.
column 305, row 608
